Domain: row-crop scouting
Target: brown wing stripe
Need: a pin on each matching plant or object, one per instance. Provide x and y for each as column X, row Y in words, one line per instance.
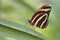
column 39, row 21
column 44, row 21
column 35, row 19
column 45, row 24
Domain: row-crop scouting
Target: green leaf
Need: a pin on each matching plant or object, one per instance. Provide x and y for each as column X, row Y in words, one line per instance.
column 14, row 30
column 14, row 16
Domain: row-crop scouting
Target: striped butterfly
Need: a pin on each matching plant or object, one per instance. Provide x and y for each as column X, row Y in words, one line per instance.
column 40, row 18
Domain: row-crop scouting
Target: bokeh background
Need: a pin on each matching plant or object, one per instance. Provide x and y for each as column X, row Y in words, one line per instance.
column 20, row 11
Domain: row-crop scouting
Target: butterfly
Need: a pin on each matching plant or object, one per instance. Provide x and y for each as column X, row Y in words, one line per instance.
column 40, row 18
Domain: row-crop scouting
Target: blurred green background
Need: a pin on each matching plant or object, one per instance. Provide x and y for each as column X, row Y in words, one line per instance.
column 20, row 11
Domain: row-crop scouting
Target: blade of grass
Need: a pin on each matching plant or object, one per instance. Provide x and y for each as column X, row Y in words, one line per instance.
column 20, row 28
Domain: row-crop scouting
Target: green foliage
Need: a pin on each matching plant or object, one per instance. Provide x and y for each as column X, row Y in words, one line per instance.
column 14, row 16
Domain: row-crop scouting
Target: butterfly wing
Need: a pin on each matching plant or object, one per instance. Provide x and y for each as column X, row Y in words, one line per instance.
column 40, row 18
column 42, row 22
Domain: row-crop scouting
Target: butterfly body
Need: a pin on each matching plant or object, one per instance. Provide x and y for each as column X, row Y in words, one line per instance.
column 40, row 18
